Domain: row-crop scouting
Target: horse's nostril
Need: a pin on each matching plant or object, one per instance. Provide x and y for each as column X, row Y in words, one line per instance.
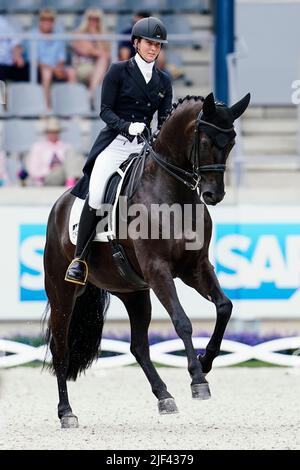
column 208, row 194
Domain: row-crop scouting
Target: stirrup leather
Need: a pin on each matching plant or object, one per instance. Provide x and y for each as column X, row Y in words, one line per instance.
column 82, row 283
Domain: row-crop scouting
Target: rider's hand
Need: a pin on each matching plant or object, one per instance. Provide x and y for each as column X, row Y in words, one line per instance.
column 136, row 128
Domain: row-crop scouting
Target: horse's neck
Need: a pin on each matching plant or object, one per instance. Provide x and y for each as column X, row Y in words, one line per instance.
column 173, row 145
column 160, row 186
column 176, row 135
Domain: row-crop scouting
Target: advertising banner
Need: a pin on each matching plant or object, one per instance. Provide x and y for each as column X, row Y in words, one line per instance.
column 255, row 251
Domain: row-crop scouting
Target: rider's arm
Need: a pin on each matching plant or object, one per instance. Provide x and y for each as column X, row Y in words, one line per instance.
column 109, row 96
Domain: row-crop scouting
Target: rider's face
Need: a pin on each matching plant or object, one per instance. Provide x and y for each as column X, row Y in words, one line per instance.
column 149, row 50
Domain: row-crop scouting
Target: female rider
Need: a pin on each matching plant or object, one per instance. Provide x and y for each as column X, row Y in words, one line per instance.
column 132, row 91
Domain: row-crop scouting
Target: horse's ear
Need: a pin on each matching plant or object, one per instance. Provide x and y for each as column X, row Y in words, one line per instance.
column 238, row 108
column 209, row 107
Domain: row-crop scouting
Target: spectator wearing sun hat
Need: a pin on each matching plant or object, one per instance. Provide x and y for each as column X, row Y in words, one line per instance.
column 53, row 162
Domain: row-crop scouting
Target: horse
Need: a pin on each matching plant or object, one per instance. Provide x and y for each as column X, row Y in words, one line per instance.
column 185, row 164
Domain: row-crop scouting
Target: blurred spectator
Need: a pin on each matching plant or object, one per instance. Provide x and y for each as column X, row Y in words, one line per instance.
column 52, row 55
column 126, row 49
column 53, row 162
column 3, row 172
column 12, row 63
column 91, row 58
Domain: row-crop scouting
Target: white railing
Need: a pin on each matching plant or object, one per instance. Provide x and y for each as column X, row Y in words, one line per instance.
column 20, row 354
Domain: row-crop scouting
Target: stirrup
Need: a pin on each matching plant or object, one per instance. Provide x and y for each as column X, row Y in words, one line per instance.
column 86, row 270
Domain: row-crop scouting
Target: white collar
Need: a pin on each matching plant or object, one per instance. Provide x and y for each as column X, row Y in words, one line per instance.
column 143, row 65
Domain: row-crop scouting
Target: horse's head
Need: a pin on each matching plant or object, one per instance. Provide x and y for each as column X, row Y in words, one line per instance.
column 213, row 139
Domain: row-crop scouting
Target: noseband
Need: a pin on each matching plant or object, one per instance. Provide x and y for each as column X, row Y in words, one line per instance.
column 191, row 180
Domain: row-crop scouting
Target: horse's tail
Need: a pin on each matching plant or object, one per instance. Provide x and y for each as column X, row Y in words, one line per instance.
column 85, row 330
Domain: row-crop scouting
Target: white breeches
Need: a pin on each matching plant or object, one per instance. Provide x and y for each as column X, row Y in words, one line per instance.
column 106, row 164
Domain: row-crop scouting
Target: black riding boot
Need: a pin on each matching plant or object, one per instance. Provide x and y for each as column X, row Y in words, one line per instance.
column 77, row 271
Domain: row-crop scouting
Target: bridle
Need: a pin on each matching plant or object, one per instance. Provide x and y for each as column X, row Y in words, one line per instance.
column 194, row 156
column 190, row 179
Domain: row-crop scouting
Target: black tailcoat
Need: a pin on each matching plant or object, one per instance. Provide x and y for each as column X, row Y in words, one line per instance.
column 126, row 98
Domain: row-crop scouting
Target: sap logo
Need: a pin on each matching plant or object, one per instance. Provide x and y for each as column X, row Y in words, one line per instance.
column 31, row 280
column 258, row 261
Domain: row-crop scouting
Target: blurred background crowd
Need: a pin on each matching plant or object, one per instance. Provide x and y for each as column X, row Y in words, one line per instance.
column 58, row 74
column 52, row 94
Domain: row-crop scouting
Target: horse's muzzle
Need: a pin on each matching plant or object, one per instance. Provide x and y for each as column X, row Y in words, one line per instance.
column 212, row 199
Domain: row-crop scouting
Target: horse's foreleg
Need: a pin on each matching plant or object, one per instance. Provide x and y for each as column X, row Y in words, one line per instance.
column 161, row 281
column 205, row 281
column 138, row 306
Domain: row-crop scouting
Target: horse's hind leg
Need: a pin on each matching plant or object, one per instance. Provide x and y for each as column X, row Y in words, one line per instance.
column 205, row 281
column 61, row 298
column 138, row 306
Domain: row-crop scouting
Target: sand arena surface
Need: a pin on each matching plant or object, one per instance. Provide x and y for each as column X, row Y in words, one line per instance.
column 251, row 408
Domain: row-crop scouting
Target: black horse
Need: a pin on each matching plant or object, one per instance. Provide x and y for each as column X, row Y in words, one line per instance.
column 189, row 152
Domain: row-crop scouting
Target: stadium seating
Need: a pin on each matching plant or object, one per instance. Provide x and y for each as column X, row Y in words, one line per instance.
column 70, row 99
column 115, row 6
column 64, row 5
column 95, row 128
column 123, row 22
column 18, row 135
column 177, row 24
column 148, row 5
column 186, row 5
column 71, row 133
column 25, row 6
column 26, row 99
column 97, row 100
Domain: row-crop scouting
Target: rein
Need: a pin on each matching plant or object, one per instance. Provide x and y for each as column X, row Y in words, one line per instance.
column 190, row 179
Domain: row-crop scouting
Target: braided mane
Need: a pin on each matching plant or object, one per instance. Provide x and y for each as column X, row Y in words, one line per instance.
column 179, row 102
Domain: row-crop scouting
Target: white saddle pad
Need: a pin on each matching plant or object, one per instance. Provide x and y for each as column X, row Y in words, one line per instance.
column 78, row 206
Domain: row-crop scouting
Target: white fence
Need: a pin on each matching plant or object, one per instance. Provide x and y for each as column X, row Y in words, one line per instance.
column 20, row 354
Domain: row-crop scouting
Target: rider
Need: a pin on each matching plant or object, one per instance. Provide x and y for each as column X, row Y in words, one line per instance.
column 132, row 91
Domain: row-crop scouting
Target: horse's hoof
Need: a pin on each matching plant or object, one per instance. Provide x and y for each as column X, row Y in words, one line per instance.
column 200, row 391
column 69, row 421
column 167, row 406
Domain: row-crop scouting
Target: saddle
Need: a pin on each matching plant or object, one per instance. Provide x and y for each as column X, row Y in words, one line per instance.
column 123, row 182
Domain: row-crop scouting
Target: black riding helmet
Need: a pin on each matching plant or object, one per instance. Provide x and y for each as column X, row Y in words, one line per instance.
column 150, row 28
